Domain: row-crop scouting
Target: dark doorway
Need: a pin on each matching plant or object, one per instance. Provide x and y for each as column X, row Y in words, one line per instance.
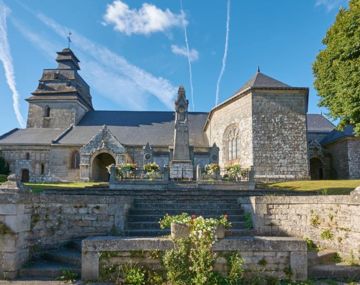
column 99, row 164
column 25, row 176
column 316, row 169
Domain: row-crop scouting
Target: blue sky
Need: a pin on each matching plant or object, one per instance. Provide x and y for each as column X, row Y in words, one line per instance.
column 134, row 54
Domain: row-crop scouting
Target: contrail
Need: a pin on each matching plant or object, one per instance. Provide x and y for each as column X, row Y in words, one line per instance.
column 188, row 57
column 6, row 59
column 225, row 53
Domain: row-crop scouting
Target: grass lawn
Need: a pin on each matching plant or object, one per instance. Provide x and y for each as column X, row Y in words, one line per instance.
column 329, row 187
column 39, row 187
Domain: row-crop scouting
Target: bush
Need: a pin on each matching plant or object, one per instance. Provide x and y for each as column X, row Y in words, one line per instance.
column 151, row 167
column 3, row 178
column 235, row 172
column 212, row 169
column 4, row 166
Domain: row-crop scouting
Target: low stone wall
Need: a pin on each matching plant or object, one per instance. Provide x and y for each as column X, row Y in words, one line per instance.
column 332, row 222
column 38, row 221
column 272, row 256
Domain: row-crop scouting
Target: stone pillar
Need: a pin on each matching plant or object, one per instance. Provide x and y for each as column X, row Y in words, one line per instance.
column 198, row 172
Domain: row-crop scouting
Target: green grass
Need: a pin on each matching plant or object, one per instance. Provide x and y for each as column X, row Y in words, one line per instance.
column 39, row 187
column 326, row 187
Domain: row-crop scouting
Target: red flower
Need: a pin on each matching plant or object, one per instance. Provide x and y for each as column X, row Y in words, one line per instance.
column 193, row 217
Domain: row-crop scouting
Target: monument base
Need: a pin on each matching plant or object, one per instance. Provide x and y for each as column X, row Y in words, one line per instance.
column 181, row 169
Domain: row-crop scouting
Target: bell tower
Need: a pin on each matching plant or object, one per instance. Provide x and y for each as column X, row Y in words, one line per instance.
column 62, row 97
column 181, row 165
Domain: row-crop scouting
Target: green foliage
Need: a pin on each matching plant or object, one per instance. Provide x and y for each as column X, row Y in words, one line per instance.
column 262, row 262
column 337, row 258
column 212, row 169
column 327, row 235
column 235, row 172
column 166, row 221
column 4, row 166
column 4, row 229
column 248, row 221
column 134, row 275
column 336, row 68
column 126, row 170
column 236, row 269
column 151, row 167
column 3, row 178
column 68, row 276
column 311, row 246
column 314, row 220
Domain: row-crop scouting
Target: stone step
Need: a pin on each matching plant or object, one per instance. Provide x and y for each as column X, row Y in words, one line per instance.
column 190, row 211
column 321, row 257
column 193, row 205
column 155, row 225
column 159, row 232
column 157, row 217
column 338, row 271
column 64, row 255
column 46, row 269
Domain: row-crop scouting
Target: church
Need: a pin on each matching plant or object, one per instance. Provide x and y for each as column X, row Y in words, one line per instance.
column 264, row 126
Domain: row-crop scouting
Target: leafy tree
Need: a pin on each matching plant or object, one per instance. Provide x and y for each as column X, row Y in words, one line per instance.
column 4, row 166
column 337, row 68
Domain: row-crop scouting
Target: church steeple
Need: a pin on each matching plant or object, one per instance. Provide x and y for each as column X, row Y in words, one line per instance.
column 62, row 96
column 67, row 60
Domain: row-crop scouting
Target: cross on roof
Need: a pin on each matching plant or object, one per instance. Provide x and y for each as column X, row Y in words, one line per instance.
column 69, row 39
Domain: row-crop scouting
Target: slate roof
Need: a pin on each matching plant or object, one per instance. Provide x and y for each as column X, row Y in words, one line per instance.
column 131, row 128
column 260, row 80
column 317, row 123
column 136, row 128
column 337, row 135
column 33, row 136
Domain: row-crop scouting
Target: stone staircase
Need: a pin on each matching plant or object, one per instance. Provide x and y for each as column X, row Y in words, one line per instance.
column 325, row 265
column 49, row 265
column 144, row 216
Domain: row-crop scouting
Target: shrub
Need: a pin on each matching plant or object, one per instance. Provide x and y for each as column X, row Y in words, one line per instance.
column 212, row 169
column 311, row 246
column 235, row 172
column 4, row 166
column 3, row 178
column 134, row 275
column 68, row 276
column 248, row 221
column 126, row 170
column 166, row 221
column 151, row 167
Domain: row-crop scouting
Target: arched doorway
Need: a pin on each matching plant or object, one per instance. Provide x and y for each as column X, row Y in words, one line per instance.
column 25, row 175
column 99, row 164
column 316, row 169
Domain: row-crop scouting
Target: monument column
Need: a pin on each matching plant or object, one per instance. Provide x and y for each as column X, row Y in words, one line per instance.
column 181, row 165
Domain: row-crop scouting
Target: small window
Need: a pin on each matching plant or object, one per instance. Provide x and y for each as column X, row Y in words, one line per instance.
column 75, row 160
column 42, row 170
column 27, row 156
column 47, row 111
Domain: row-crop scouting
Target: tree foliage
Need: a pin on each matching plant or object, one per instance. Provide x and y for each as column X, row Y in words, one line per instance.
column 337, row 68
column 4, row 166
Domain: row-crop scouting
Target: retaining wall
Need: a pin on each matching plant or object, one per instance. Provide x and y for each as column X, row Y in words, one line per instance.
column 332, row 222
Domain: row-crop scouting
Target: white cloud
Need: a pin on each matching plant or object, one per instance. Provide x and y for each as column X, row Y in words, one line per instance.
column 6, row 59
column 159, row 87
column 146, row 20
column 193, row 53
column 329, row 4
column 223, row 66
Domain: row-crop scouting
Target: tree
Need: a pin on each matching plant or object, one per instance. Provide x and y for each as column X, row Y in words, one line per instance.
column 337, row 68
column 4, row 166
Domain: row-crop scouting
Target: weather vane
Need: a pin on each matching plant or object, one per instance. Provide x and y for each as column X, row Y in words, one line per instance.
column 69, row 39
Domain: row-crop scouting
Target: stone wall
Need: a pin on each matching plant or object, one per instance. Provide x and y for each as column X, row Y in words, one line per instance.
column 238, row 113
column 279, row 135
column 330, row 221
column 354, row 158
column 62, row 115
column 271, row 256
column 339, row 159
column 40, row 221
column 60, row 167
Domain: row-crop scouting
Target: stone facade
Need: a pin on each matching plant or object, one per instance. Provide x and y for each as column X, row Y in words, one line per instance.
column 332, row 222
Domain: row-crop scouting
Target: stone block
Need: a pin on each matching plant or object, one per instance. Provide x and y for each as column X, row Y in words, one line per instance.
column 8, row 209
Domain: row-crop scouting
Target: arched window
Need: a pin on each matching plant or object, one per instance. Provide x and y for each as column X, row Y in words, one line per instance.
column 27, row 156
column 42, row 169
column 231, row 142
column 46, row 111
column 75, row 160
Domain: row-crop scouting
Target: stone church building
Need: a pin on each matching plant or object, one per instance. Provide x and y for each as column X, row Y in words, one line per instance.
column 264, row 125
